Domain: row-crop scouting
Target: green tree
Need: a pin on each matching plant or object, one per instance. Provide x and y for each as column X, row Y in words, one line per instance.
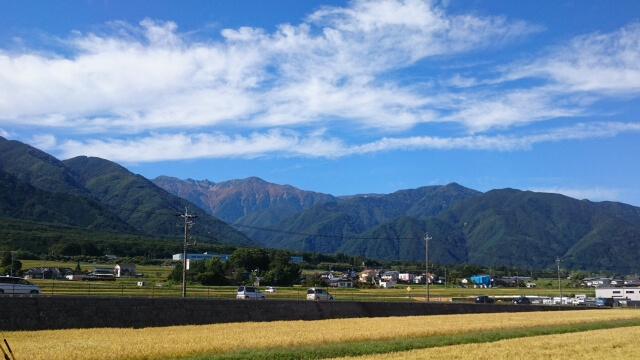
column 313, row 280
column 176, row 274
column 214, row 274
column 249, row 259
column 8, row 263
column 281, row 271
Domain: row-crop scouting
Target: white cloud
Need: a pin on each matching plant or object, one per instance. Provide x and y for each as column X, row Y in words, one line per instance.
column 481, row 112
column 126, row 91
column 159, row 147
column 43, row 142
column 316, row 144
column 603, row 63
column 151, row 77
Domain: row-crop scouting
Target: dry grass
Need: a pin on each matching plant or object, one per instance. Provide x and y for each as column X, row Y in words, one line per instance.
column 621, row 343
column 185, row 341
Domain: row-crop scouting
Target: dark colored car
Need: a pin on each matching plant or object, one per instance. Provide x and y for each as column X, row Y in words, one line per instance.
column 484, row 299
column 522, row 300
column 602, row 302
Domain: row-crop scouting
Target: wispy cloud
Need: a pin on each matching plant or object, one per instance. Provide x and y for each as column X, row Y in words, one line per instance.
column 148, row 92
column 599, row 63
column 159, row 147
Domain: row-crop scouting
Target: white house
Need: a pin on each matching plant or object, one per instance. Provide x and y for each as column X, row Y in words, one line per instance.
column 390, row 276
column 630, row 293
column 345, row 283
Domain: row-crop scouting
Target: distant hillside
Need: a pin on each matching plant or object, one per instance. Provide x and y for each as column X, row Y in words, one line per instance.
column 327, row 227
column 20, row 200
column 233, row 200
column 404, row 238
column 528, row 229
column 93, row 193
column 38, row 168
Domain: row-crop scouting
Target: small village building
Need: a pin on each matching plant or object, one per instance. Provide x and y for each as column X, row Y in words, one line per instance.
column 390, row 276
column 44, row 273
column 198, row 257
column 596, row 282
column 124, row 270
column 368, row 276
column 619, row 293
column 631, row 281
column 481, row 280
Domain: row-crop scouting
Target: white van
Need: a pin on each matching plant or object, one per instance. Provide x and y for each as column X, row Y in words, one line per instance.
column 17, row 285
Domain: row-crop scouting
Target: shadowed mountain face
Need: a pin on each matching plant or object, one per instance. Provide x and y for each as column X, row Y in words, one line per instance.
column 96, row 194
column 528, row 229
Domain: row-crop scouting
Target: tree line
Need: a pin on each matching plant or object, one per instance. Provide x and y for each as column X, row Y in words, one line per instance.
column 244, row 266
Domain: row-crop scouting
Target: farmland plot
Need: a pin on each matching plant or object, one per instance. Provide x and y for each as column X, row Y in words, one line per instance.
column 589, row 345
column 256, row 340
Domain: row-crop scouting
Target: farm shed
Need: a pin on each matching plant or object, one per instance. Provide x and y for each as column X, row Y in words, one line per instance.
column 344, row 283
column 124, row 270
column 484, row 280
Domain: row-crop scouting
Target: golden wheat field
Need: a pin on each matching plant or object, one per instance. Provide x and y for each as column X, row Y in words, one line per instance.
column 185, row 341
column 590, row 345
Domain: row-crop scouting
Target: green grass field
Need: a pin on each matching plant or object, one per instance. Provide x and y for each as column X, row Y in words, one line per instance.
column 156, row 285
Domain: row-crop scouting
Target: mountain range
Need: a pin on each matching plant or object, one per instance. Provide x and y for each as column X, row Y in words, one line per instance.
column 499, row 227
column 96, row 194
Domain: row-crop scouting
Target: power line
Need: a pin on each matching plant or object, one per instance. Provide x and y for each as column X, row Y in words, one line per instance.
column 355, row 237
column 43, row 193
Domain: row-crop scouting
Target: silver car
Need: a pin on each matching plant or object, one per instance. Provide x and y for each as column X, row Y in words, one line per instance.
column 17, row 285
column 318, row 294
column 250, row 293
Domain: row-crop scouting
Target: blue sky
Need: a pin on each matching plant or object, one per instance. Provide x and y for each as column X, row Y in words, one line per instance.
column 340, row 97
